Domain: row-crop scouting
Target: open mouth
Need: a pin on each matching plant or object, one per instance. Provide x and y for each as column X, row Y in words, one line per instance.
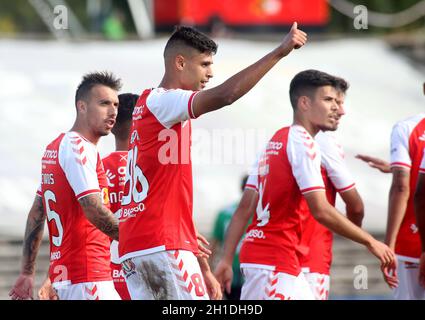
column 110, row 123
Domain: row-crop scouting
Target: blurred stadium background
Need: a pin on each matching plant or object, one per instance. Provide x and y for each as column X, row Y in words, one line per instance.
column 41, row 65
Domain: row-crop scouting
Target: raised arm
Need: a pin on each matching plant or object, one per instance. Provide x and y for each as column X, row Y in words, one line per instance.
column 24, row 285
column 99, row 215
column 239, row 84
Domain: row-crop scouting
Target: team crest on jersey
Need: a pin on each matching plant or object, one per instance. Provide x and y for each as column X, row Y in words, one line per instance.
column 105, row 196
column 128, row 267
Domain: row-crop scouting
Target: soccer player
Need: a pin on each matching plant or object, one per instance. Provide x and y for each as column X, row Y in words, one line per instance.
column 73, row 198
column 115, row 164
column 420, row 214
column 290, row 186
column 407, row 145
column 337, row 179
column 158, row 245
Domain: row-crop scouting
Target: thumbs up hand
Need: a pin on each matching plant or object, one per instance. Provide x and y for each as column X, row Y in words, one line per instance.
column 295, row 39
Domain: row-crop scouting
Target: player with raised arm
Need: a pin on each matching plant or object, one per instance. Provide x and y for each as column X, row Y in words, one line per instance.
column 73, row 198
column 157, row 242
column 290, row 186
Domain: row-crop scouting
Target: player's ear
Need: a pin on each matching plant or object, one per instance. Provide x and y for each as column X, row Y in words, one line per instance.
column 303, row 103
column 179, row 62
column 81, row 106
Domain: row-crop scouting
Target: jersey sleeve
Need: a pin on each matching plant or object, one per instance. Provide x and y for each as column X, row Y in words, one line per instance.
column 304, row 157
column 252, row 181
column 171, row 106
column 78, row 159
column 334, row 163
column 400, row 156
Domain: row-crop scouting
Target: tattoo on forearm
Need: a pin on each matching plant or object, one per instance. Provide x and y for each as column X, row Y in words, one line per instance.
column 100, row 216
column 33, row 235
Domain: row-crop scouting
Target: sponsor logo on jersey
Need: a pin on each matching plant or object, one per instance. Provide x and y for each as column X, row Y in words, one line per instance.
column 138, row 112
column 131, row 212
column 47, row 178
column 274, row 145
column 128, row 267
column 255, row 234
column 50, row 154
column 55, row 255
column 110, row 177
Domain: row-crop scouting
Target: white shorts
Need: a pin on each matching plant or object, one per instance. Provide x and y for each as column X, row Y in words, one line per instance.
column 102, row 290
column 262, row 284
column 408, row 285
column 319, row 284
column 165, row 275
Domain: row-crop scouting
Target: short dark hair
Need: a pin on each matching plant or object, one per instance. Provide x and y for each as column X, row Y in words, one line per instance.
column 190, row 37
column 127, row 101
column 342, row 85
column 90, row 80
column 306, row 82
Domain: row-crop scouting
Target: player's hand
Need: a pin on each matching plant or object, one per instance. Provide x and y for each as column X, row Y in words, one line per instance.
column 224, row 274
column 213, row 286
column 203, row 251
column 422, row 270
column 295, row 39
column 390, row 275
column 382, row 252
column 47, row 292
column 23, row 288
column 376, row 163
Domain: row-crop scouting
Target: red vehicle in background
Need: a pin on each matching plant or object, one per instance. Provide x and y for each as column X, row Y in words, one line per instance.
column 241, row 14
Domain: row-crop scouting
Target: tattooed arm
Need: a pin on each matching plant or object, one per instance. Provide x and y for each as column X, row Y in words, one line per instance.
column 24, row 285
column 99, row 215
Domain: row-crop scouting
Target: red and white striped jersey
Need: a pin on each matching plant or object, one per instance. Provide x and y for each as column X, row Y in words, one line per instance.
column 72, row 169
column 115, row 164
column 158, row 196
column 407, row 147
column 280, row 234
